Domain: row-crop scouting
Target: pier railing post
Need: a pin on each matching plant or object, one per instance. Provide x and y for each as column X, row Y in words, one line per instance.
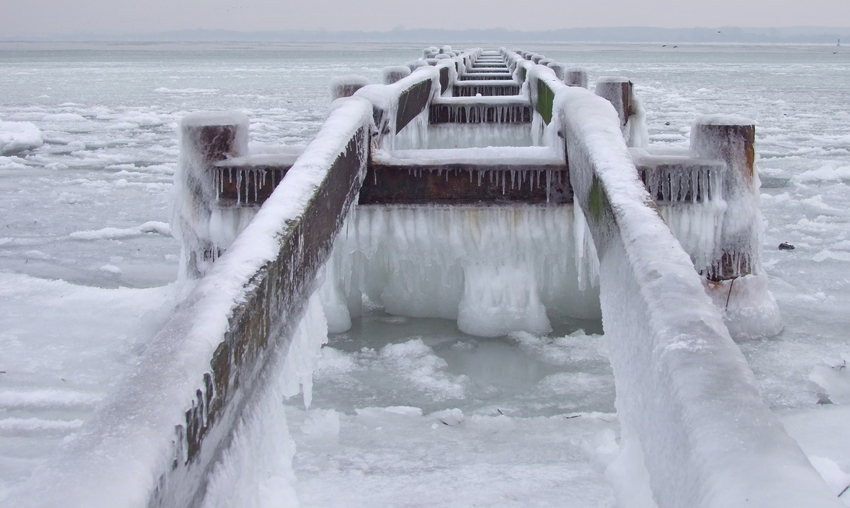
column 732, row 140
column 394, row 73
column 618, row 91
column 559, row 70
column 205, row 138
column 345, row 86
column 576, row 76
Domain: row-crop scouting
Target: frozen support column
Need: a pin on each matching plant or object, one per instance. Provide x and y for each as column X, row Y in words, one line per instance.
column 731, row 139
column 205, row 138
column 576, row 76
column 395, row 73
column 345, row 86
column 734, row 279
column 558, row 69
column 618, row 91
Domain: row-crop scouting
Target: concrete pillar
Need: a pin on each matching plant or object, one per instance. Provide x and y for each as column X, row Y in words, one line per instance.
column 731, row 139
column 618, row 91
column 576, row 76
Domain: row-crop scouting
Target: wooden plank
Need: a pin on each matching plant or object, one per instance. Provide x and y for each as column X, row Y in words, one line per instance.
column 411, row 102
column 545, row 100
column 444, row 79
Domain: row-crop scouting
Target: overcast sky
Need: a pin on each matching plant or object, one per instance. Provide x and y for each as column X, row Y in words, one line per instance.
column 46, row 17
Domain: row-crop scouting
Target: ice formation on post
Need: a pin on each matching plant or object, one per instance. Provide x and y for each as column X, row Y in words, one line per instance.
column 749, row 309
column 206, row 229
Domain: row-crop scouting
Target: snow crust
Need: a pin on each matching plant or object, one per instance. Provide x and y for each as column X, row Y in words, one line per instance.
column 16, row 137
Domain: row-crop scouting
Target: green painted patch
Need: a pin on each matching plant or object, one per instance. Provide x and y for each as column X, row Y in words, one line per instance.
column 596, row 201
column 545, row 101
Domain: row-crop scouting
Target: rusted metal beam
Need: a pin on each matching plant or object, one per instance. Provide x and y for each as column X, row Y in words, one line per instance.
column 672, row 180
column 475, row 112
column 498, row 69
column 246, row 185
column 475, row 76
column 466, row 184
column 487, row 88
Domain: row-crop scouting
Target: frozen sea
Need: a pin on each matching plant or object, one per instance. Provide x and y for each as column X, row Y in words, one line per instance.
column 406, row 412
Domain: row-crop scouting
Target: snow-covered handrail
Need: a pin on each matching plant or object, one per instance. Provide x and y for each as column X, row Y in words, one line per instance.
column 397, row 104
column 155, row 441
column 688, row 402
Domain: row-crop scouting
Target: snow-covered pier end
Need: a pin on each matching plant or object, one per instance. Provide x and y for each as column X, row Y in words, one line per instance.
column 510, row 138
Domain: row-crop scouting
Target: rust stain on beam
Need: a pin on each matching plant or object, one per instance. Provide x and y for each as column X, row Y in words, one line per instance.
column 246, row 185
column 441, row 113
column 492, row 88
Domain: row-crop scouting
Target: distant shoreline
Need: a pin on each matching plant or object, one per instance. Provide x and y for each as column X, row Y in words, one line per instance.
column 603, row 35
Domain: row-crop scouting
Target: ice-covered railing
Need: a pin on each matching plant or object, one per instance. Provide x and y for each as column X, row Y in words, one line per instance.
column 708, row 196
column 402, row 105
column 689, row 406
column 168, row 425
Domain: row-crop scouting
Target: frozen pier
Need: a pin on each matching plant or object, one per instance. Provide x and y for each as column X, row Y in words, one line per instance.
column 549, row 195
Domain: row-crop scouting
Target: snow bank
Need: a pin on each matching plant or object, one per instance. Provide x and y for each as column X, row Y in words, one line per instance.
column 686, row 397
column 158, row 437
column 16, row 137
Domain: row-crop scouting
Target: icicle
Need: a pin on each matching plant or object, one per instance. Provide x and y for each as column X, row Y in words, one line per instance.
column 238, row 187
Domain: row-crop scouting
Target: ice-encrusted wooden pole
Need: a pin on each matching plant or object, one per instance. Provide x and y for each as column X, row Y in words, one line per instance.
column 618, row 91
column 731, row 139
column 394, row 73
column 345, row 86
column 576, row 76
column 205, row 138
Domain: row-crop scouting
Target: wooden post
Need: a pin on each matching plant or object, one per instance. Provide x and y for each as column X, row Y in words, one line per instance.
column 205, row 138
column 618, row 91
column 394, row 73
column 576, row 76
column 559, row 70
column 731, row 139
column 345, row 86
